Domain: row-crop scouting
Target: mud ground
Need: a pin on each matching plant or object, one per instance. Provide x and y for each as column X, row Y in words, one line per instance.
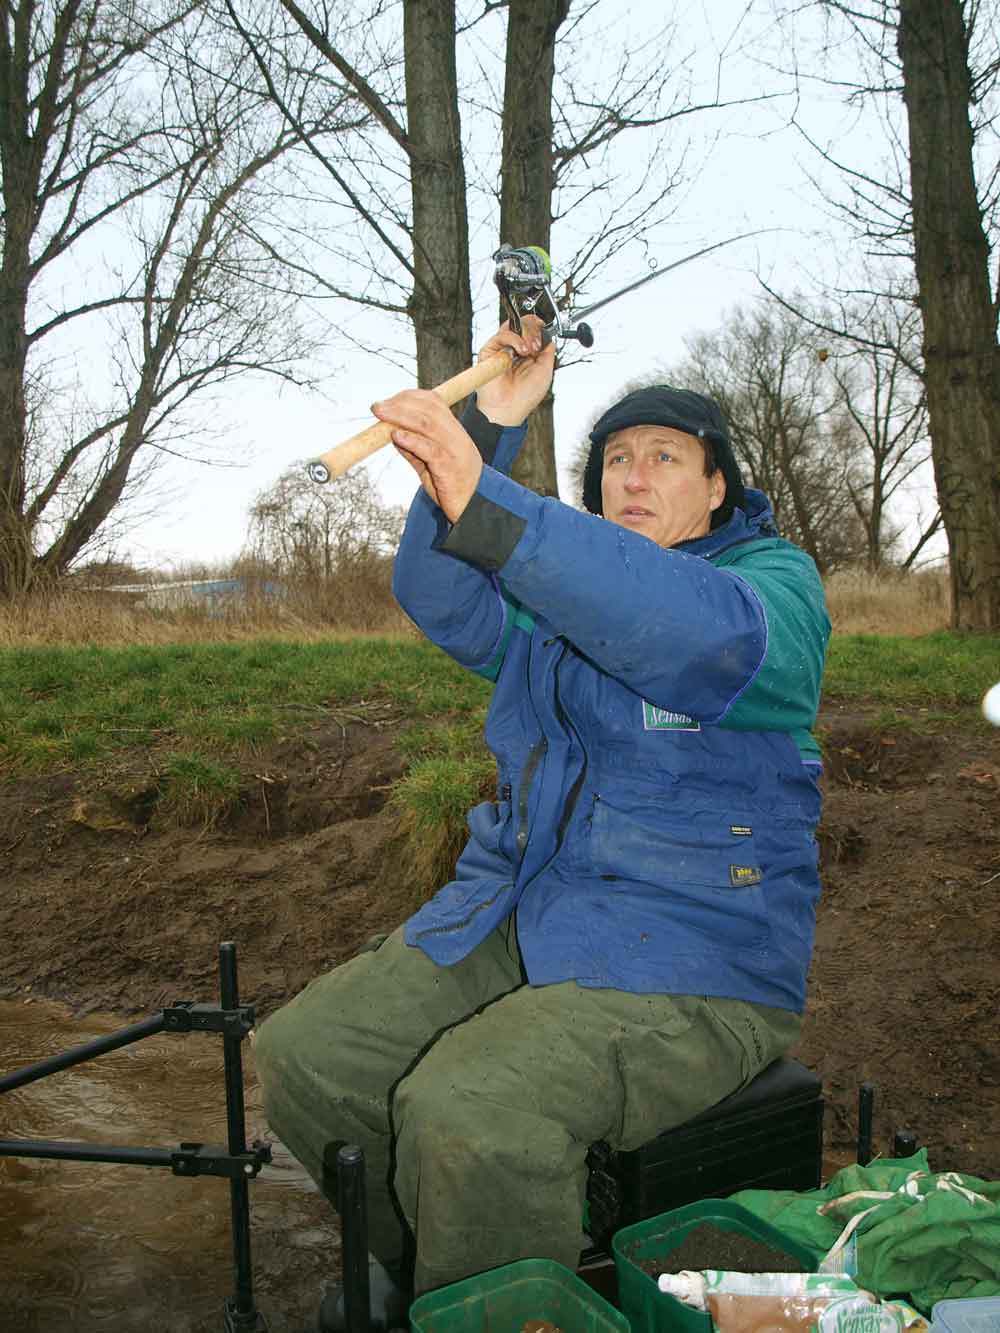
column 105, row 907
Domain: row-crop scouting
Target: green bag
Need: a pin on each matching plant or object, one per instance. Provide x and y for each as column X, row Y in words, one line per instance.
column 897, row 1228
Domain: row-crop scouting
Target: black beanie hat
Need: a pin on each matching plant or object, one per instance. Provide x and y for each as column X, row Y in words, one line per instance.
column 681, row 409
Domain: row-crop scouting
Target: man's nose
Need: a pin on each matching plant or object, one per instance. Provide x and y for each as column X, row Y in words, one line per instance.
column 636, row 479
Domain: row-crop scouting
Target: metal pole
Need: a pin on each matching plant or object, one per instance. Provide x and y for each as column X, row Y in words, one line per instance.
column 241, row 1313
column 904, row 1143
column 67, row 1151
column 866, row 1105
column 77, row 1054
column 353, row 1207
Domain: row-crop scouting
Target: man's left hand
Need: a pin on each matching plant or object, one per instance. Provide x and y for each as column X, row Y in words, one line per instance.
column 436, row 446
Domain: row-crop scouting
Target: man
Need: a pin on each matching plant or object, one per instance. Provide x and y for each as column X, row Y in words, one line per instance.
column 627, row 936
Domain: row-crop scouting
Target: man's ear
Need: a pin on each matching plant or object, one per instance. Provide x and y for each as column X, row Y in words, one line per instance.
column 718, row 491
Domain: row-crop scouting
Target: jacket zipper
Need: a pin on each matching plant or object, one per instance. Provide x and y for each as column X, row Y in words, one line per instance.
column 562, row 717
column 524, row 790
column 574, row 792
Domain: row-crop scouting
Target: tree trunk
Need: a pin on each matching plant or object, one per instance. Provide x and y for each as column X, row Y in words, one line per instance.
column 441, row 304
column 20, row 180
column 960, row 333
column 526, row 181
column 16, row 554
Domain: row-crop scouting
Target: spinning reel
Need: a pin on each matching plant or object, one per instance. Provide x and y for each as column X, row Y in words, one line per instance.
column 524, row 279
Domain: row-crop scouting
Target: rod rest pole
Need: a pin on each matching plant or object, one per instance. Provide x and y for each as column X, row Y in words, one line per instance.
column 240, row 1313
column 866, row 1112
column 352, row 1198
column 63, row 1150
column 78, row 1054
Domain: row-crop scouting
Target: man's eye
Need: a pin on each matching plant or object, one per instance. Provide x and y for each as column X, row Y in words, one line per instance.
column 664, row 456
column 615, row 458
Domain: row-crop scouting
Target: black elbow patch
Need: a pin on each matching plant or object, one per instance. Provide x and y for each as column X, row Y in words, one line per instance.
column 486, row 534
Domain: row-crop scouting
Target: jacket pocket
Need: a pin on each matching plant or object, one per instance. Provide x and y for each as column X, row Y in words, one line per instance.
column 703, row 867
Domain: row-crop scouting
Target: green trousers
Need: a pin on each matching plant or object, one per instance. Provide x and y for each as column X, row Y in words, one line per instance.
column 475, row 1095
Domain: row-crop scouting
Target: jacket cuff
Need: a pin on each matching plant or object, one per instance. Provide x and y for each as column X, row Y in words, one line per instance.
column 498, row 445
column 485, row 534
column 485, row 433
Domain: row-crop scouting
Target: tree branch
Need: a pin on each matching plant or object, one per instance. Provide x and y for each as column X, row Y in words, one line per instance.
column 361, row 86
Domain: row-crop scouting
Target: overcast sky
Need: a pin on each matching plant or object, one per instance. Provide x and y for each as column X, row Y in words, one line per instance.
column 748, row 169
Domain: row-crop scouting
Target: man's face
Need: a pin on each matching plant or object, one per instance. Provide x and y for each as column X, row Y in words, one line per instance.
column 654, row 482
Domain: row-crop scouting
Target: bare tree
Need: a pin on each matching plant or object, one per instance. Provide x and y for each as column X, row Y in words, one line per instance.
column 399, row 184
column 936, row 207
column 959, row 309
column 881, row 405
column 400, row 178
column 325, row 551
column 763, row 369
column 319, row 532
column 527, row 178
column 134, row 131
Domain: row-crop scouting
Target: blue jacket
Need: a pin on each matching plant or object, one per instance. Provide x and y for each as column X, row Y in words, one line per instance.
column 657, row 778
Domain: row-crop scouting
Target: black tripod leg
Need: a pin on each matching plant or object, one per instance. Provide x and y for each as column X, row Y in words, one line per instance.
column 241, row 1316
column 353, row 1206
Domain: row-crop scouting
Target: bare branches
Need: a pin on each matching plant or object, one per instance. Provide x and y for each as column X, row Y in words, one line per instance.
column 362, row 210
column 159, row 125
column 825, row 423
column 358, row 82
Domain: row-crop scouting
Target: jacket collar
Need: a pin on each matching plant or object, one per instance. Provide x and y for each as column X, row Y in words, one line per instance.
column 754, row 521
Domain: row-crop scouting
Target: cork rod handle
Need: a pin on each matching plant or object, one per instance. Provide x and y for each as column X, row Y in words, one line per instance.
column 336, row 461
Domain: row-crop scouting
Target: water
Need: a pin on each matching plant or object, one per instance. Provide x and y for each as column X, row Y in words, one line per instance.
column 96, row 1248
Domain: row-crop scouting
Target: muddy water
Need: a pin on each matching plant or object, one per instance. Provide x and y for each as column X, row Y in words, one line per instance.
column 96, row 1248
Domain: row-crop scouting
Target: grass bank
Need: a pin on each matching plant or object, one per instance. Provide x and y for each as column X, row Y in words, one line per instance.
column 63, row 706
column 199, row 713
column 942, row 669
column 202, row 711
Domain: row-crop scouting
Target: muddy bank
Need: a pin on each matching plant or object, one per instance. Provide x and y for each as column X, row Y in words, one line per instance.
column 104, row 913
column 107, row 909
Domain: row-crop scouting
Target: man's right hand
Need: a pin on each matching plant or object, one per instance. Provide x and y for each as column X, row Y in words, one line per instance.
column 516, row 393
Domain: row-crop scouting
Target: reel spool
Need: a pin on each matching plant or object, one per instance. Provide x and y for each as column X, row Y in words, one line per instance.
column 524, row 279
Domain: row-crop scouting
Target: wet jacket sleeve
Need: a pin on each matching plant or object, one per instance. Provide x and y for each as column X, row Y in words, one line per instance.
column 784, row 694
column 457, row 603
column 681, row 631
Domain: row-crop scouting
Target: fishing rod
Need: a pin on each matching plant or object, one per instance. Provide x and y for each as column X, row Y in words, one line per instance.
column 523, row 276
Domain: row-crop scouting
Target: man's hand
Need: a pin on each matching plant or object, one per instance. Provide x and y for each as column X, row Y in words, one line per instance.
column 435, row 445
column 516, row 393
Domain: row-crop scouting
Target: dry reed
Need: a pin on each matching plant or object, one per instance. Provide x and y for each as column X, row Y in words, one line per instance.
column 859, row 603
column 72, row 617
column 889, row 603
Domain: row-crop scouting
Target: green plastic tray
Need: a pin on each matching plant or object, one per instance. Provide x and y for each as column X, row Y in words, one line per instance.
column 502, row 1300
column 650, row 1310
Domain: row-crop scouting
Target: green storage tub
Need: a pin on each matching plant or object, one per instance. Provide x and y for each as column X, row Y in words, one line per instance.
column 650, row 1310
column 502, row 1300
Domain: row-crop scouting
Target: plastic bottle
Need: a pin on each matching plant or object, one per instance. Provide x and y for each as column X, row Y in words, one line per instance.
column 685, row 1286
column 792, row 1302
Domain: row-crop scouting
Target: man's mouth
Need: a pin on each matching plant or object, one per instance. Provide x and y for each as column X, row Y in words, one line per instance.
column 636, row 511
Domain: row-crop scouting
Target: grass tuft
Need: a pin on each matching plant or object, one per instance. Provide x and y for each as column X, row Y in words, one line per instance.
column 196, row 792
column 432, row 800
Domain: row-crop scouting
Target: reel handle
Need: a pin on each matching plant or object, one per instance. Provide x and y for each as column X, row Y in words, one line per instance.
column 336, row 461
column 583, row 333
